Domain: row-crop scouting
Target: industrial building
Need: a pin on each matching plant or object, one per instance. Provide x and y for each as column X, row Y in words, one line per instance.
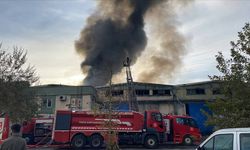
column 183, row 99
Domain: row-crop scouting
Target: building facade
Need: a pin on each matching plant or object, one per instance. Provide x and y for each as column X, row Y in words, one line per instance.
column 184, row 99
column 63, row 97
column 149, row 96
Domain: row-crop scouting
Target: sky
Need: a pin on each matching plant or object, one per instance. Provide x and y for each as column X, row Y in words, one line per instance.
column 47, row 29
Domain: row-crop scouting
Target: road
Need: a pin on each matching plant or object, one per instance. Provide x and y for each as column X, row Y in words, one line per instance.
column 166, row 147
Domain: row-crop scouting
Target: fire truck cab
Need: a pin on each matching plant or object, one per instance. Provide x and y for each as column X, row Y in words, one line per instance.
column 182, row 130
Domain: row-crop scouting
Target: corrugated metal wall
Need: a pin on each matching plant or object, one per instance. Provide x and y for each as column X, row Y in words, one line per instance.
column 194, row 109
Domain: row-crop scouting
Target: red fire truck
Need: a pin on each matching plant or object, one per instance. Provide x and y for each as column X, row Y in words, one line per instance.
column 86, row 128
column 80, row 128
column 182, row 130
column 37, row 130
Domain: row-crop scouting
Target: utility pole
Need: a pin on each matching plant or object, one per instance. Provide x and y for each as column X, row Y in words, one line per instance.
column 132, row 100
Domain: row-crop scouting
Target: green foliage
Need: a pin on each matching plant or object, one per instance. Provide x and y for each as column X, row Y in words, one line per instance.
column 107, row 111
column 234, row 109
column 16, row 99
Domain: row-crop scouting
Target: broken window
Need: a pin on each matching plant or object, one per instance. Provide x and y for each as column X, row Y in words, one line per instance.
column 196, row 91
column 161, row 92
column 117, row 92
column 142, row 92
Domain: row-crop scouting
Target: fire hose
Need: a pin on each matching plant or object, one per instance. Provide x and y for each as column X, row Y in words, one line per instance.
column 41, row 141
column 48, row 144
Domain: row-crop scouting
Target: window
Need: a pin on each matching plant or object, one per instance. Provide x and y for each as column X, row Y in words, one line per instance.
column 187, row 121
column 244, row 141
column 220, row 142
column 196, row 91
column 223, row 142
column 142, row 92
column 49, row 103
column 180, row 121
column 161, row 92
column 156, row 117
column 209, row 145
column 117, row 92
column 192, row 123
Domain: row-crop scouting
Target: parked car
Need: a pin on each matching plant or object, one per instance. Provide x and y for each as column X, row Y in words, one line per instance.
column 227, row 139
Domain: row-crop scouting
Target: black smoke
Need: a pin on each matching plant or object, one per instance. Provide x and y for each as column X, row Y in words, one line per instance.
column 115, row 31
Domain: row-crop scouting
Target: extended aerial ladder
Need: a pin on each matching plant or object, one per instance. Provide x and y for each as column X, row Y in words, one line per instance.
column 132, row 100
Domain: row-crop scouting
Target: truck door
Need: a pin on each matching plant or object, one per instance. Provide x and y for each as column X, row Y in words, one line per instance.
column 156, row 121
column 243, row 139
column 180, row 127
column 169, row 129
column 62, row 127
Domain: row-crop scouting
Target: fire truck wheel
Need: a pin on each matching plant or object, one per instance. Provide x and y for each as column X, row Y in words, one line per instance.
column 151, row 142
column 78, row 142
column 96, row 141
column 187, row 140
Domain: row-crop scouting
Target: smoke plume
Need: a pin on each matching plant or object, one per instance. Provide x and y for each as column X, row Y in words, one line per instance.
column 167, row 45
column 116, row 31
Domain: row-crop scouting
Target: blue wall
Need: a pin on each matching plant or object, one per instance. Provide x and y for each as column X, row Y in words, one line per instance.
column 122, row 107
column 194, row 110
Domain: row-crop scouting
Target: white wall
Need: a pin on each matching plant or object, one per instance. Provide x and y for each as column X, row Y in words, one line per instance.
column 76, row 103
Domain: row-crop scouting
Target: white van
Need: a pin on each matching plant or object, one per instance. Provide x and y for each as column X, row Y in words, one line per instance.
column 227, row 139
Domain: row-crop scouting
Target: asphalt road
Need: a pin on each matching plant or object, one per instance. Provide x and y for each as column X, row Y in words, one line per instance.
column 166, row 147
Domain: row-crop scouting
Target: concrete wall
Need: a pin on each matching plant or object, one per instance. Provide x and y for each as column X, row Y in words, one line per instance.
column 65, row 97
column 209, row 87
column 82, row 103
column 169, row 103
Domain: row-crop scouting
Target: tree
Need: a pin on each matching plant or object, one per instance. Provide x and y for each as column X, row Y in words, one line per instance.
column 233, row 110
column 110, row 114
column 16, row 98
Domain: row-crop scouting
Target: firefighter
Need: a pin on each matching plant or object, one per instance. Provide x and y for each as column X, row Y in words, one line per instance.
column 15, row 142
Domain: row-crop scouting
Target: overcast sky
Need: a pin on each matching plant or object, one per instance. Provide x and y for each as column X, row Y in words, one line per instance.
column 47, row 29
